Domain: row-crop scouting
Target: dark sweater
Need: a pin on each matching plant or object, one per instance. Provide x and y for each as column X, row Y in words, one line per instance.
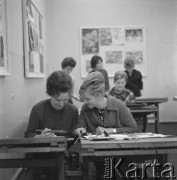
column 134, row 82
column 43, row 115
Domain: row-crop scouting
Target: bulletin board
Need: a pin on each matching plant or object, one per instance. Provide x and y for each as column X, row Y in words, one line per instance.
column 113, row 44
column 33, row 40
column 4, row 51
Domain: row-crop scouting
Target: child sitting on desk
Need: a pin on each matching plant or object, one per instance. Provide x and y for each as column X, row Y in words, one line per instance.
column 119, row 91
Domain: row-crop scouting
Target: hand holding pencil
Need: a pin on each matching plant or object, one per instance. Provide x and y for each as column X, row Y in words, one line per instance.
column 80, row 131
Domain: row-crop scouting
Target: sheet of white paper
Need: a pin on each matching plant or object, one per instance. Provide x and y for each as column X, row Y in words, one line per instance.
column 125, row 136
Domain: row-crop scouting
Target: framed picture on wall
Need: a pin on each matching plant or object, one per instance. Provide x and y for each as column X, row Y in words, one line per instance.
column 33, row 40
column 113, row 44
column 4, row 51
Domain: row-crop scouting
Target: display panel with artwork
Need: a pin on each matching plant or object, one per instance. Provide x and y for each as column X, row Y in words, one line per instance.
column 33, row 40
column 113, row 44
column 4, row 51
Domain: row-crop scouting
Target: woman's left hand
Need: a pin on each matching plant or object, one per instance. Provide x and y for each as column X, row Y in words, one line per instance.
column 100, row 130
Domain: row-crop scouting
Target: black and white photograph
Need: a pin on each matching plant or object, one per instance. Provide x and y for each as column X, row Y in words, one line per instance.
column 134, row 35
column 88, row 89
column 114, row 57
column 90, row 41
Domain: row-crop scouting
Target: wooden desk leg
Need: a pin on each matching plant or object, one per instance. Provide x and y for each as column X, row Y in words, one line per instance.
column 61, row 166
column 144, row 122
column 85, row 168
column 157, row 120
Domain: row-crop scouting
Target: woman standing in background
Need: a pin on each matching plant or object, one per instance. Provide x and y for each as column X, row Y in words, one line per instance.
column 67, row 65
column 134, row 81
column 97, row 65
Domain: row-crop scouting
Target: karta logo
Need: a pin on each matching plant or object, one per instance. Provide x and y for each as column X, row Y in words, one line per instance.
column 118, row 168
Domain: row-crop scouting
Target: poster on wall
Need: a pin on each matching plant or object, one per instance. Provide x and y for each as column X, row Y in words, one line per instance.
column 33, row 40
column 113, row 44
column 4, row 56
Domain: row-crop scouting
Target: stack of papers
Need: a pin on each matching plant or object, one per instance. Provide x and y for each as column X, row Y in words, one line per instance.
column 124, row 136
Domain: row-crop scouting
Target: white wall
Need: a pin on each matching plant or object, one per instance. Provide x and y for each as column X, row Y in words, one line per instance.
column 65, row 17
column 17, row 94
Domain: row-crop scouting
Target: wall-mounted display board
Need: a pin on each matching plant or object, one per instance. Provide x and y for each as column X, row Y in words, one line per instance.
column 113, row 44
column 33, row 40
column 4, row 51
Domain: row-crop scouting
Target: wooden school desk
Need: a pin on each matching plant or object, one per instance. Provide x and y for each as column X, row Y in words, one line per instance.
column 34, row 145
column 151, row 146
column 146, row 106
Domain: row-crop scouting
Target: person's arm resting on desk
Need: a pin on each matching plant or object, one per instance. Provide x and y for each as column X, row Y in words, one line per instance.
column 81, row 125
column 123, row 118
column 34, row 122
column 127, row 121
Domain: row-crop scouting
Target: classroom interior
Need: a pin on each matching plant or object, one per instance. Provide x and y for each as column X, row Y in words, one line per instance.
column 62, row 22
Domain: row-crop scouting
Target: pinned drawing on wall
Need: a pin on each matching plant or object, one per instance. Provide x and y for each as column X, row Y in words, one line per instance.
column 4, row 51
column 113, row 44
column 33, row 40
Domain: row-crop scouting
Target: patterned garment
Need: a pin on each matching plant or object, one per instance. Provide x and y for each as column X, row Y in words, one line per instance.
column 117, row 115
column 126, row 95
column 101, row 113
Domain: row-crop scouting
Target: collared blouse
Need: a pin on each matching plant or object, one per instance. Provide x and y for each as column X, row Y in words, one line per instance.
column 117, row 115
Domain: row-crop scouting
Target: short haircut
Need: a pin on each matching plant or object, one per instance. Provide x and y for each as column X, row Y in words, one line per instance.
column 68, row 61
column 94, row 61
column 94, row 82
column 58, row 82
column 120, row 75
column 129, row 62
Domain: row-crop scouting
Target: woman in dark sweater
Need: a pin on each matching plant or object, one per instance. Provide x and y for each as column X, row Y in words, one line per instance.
column 97, row 65
column 134, row 81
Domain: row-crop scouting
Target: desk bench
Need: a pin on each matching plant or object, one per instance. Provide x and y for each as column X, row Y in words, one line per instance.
column 144, row 147
column 34, row 145
column 146, row 106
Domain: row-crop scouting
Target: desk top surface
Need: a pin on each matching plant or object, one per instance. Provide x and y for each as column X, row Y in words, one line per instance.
column 151, row 99
column 33, row 145
column 131, row 144
column 32, row 141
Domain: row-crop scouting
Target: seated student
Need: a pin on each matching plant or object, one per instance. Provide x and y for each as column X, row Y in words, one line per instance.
column 119, row 91
column 100, row 113
column 97, row 65
column 68, row 64
column 54, row 113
